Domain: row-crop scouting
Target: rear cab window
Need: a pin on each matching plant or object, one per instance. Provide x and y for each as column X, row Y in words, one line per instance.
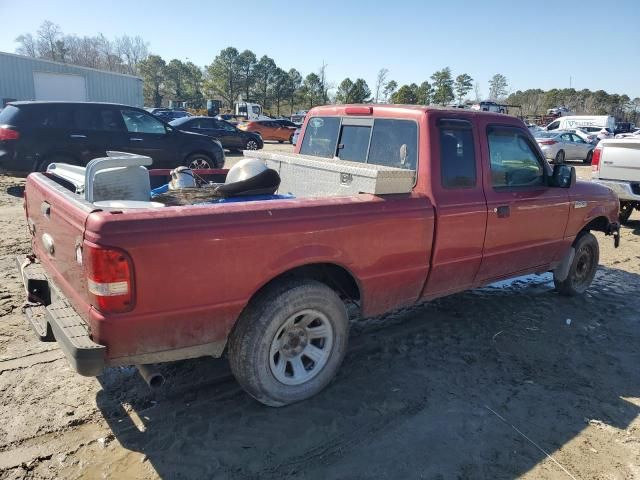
column 457, row 154
column 379, row 141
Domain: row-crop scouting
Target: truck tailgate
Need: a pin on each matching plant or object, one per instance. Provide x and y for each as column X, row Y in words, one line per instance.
column 620, row 161
column 56, row 219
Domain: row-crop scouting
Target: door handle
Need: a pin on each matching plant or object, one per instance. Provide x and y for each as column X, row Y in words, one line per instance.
column 503, row 211
column 136, row 139
column 77, row 136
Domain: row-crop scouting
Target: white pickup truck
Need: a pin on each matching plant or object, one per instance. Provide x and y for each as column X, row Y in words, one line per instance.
column 616, row 164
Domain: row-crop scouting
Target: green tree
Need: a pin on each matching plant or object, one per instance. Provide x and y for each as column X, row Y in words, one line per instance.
column 360, row 93
column 279, row 88
column 443, row 86
column 343, row 95
column 247, row 63
column 152, row 71
column 389, row 89
column 264, row 73
column 312, row 90
column 462, row 86
column 223, row 75
column 294, row 83
column 498, row 87
column 406, row 94
column 424, row 93
column 175, row 74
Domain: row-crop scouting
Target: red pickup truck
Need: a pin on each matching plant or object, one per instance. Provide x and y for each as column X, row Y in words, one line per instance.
column 267, row 282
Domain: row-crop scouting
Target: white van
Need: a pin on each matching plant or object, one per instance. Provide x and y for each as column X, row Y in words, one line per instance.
column 577, row 121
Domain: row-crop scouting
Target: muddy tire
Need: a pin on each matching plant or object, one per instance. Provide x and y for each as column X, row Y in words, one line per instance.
column 582, row 269
column 289, row 342
column 626, row 209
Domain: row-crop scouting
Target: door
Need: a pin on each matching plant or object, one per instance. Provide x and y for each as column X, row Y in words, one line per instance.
column 96, row 129
column 59, row 86
column 226, row 133
column 456, row 180
column 526, row 218
column 582, row 148
column 569, row 147
column 146, row 135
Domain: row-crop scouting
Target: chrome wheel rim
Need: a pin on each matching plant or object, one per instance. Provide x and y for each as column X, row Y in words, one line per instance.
column 199, row 163
column 301, row 347
column 252, row 145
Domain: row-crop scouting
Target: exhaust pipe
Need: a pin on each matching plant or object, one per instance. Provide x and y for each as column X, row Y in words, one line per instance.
column 151, row 375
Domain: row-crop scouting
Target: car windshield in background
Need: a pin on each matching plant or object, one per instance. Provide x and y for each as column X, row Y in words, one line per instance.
column 545, row 134
column 388, row 142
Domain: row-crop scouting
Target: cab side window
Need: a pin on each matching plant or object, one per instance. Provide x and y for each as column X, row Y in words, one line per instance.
column 138, row 122
column 457, row 155
column 514, row 161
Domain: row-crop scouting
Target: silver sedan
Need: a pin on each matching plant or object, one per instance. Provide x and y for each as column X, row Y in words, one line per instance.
column 560, row 146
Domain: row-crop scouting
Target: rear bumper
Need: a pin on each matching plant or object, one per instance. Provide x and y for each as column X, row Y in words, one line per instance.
column 629, row 191
column 52, row 317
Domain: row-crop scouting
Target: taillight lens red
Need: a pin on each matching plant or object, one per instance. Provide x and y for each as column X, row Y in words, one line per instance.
column 109, row 274
column 7, row 133
column 595, row 159
column 547, row 142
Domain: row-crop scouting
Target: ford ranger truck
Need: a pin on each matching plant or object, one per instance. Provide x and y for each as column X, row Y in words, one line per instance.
column 267, row 283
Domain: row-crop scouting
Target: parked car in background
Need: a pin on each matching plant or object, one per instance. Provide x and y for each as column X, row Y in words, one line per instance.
column 586, row 136
column 561, row 146
column 560, row 111
column 35, row 134
column 635, row 133
column 624, row 127
column 279, row 130
column 583, row 121
column 616, row 165
column 296, row 134
column 229, row 135
column 170, row 115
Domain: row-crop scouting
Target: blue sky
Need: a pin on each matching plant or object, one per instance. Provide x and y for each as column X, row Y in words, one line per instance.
column 537, row 43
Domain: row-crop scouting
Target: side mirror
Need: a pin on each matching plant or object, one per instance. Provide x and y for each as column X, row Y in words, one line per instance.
column 563, row 176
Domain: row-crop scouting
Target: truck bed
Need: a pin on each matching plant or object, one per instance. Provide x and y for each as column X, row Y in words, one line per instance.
column 223, row 254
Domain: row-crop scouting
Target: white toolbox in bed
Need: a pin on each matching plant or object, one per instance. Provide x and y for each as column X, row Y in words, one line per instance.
column 308, row 176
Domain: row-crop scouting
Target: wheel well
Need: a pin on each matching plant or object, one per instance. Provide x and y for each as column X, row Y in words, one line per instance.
column 336, row 277
column 600, row 224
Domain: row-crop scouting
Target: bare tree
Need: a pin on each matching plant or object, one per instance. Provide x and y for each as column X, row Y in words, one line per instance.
column 477, row 92
column 380, row 82
column 132, row 50
column 28, row 45
column 49, row 36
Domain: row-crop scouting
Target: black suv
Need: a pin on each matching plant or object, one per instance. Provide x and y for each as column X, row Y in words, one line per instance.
column 231, row 137
column 34, row 134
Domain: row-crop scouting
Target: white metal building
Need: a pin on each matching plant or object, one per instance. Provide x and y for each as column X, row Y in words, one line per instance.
column 26, row 78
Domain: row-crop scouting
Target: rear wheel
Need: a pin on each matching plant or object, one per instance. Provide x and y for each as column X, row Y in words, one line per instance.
column 289, row 342
column 559, row 157
column 251, row 145
column 589, row 157
column 583, row 268
column 200, row 161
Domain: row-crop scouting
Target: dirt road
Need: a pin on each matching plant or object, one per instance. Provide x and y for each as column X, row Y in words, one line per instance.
column 503, row 382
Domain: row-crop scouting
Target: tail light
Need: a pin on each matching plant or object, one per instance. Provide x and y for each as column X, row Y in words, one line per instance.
column 547, row 142
column 7, row 133
column 595, row 159
column 109, row 274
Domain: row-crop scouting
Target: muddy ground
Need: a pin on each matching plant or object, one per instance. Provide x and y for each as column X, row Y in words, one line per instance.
column 511, row 381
